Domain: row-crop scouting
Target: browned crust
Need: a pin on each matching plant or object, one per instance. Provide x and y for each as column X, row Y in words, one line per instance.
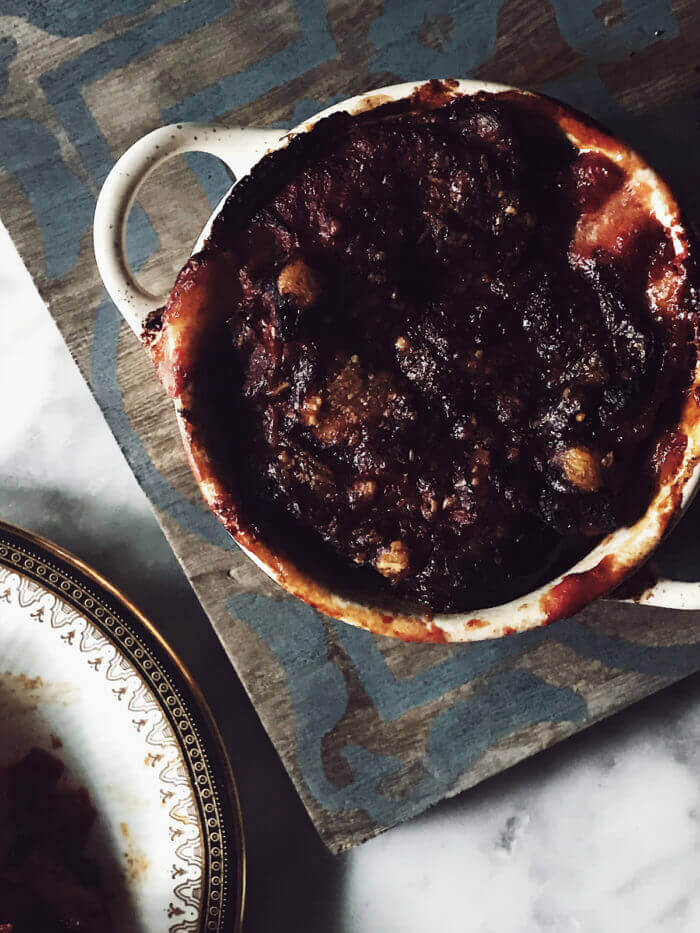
column 173, row 355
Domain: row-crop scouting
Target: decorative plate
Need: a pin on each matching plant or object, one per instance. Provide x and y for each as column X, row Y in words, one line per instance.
column 86, row 677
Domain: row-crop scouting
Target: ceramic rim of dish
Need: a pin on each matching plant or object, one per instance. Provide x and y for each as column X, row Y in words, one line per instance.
column 618, row 555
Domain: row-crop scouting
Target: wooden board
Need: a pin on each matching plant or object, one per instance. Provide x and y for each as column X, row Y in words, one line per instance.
column 371, row 731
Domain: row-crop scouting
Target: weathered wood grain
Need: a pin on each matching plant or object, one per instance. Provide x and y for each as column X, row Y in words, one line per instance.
column 371, row 731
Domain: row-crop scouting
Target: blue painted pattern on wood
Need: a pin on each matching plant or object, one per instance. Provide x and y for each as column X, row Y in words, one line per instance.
column 376, row 732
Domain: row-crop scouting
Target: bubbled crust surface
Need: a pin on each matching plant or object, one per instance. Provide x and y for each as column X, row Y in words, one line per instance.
column 428, row 361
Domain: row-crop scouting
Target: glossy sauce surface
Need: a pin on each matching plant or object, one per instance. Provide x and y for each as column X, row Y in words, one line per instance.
column 430, row 363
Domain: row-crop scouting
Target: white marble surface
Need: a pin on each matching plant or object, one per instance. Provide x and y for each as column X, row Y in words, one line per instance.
column 599, row 834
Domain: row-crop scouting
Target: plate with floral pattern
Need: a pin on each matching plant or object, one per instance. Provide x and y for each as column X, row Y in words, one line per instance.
column 114, row 783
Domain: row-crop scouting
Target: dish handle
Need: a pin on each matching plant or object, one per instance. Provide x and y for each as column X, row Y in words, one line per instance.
column 661, row 591
column 238, row 148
